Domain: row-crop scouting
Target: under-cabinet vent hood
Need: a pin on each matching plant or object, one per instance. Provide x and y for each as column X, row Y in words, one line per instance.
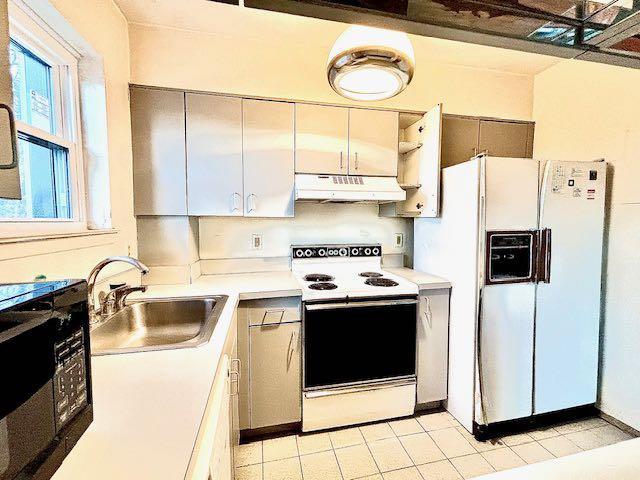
column 348, row 188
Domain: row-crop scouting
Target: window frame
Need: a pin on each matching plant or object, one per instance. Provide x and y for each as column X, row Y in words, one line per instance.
column 29, row 30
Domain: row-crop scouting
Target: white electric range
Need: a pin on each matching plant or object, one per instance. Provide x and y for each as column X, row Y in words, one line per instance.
column 359, row 336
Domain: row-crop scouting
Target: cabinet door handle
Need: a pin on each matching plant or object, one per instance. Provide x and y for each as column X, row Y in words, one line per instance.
column 428, row 315
column 236, row 367
column 340, row 159
column 235, row 202
column 273, row 310
column 290, row 349
column 251, row 204
column 357, row 161
column 234, row 383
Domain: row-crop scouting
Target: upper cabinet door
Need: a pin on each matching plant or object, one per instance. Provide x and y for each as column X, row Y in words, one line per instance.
column 268, row 157
column 322, row 141
column 373, row 143
column 214, row 155
column 428, row 131
column 159, row 159
column 506, row 139
column 459, row 139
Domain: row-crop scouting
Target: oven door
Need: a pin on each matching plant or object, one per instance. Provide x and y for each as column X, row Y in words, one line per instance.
column 358, row 342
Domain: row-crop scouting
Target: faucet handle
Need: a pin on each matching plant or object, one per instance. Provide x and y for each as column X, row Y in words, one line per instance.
column 122, row 294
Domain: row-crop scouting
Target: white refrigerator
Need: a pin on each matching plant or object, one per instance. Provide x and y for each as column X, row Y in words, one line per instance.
column 521, row 242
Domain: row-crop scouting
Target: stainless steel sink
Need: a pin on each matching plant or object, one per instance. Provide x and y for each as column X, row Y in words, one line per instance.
column 158, row 324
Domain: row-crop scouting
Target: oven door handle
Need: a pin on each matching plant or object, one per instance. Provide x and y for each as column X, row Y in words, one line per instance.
column 382, row 303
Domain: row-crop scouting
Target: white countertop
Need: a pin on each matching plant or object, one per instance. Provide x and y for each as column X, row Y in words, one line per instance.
column 148, row 406
column 425, row 281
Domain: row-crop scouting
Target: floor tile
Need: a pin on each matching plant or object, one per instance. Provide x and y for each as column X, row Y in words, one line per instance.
column 356, row 461
column 544, row 433
column 442, row 470
column 560, row 446
column 317, row 442
column 346, row 437
column 410, row 473
column 611, row 434
column 377, row 476
column 517, row 439
column 484, row 446
column 421, row 448
column 451, row 442
column 580, row 425
column 249, row 472
column 248, row 454
column 377, row 431
column 437, row 421
column 389, row 454
column 503, row 459
column 472, row 465
column 279, row 448
column 586, row 439
column 320, row 466
column 406, row 426
column 286, row 469
column 533, row 452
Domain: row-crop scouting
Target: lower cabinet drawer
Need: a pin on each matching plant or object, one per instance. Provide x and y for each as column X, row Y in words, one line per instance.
column 273, row 311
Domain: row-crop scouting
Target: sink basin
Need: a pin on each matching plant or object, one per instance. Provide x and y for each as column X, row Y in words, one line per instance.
column 160, row 324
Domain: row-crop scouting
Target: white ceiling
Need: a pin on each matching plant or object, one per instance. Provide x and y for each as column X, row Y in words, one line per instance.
column 217, row 18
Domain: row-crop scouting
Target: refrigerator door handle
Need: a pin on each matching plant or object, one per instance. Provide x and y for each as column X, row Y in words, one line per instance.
column 543, row 274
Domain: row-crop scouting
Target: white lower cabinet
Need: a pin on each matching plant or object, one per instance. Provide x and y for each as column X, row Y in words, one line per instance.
column 269, row 347
column 433, row 345
column 275, row 374
column 212, row 457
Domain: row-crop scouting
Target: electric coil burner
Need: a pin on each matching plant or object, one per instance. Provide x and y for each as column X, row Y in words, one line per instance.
column 323, row 286
column 370, row 274
column 318, row 277
column 381, row 282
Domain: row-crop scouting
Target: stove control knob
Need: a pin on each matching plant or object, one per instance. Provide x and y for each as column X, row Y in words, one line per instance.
column 367, row 251
column 343, row 252
column 376, row 251
column 354, row 252
column 308, row 252
column 299, row 253
column 322, row 252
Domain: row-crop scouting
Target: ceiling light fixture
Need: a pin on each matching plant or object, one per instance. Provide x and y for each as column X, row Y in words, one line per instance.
column 368, row 63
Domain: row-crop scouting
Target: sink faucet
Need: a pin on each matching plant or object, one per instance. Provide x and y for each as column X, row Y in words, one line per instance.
column 95, row 315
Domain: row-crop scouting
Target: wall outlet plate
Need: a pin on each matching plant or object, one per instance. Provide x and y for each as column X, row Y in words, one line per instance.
column 256, row 241
column 399, row 242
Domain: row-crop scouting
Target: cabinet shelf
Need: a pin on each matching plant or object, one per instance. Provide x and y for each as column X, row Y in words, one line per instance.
column 406, row 147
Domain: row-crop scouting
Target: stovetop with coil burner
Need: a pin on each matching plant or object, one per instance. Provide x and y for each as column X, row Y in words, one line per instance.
column 345, row 271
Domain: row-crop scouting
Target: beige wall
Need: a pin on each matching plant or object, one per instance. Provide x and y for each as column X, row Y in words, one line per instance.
column 254, row 65
column 102, row 25
column 230, row 238
column 586, row 111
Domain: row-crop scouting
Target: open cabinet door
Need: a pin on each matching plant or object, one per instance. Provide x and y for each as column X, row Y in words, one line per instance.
column 9, row 172
column 425, row 200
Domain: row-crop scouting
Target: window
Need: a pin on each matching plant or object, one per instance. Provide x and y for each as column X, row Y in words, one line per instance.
column 45, row 99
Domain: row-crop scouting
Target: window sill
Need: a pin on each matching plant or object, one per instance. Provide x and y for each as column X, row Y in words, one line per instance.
column 36, row 237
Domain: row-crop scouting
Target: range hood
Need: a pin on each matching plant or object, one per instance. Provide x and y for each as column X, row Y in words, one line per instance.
column 348, row 188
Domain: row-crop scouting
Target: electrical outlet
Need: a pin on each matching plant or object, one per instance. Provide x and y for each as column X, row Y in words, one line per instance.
column 399, row 240
column 256, row 241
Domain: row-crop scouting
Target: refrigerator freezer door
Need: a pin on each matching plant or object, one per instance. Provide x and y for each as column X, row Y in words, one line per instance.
column 568, row 307
column 506, row 352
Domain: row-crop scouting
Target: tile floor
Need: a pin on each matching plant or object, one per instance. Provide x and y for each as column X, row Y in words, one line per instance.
column 432, row 446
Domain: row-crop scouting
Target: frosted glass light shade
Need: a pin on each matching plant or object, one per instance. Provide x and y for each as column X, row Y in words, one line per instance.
column 368, row 63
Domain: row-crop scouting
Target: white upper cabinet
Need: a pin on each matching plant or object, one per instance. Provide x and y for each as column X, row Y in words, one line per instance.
column 214, row 155
column 159, row 160
column 268, row 158
column 322, row 139
column 373, row 143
